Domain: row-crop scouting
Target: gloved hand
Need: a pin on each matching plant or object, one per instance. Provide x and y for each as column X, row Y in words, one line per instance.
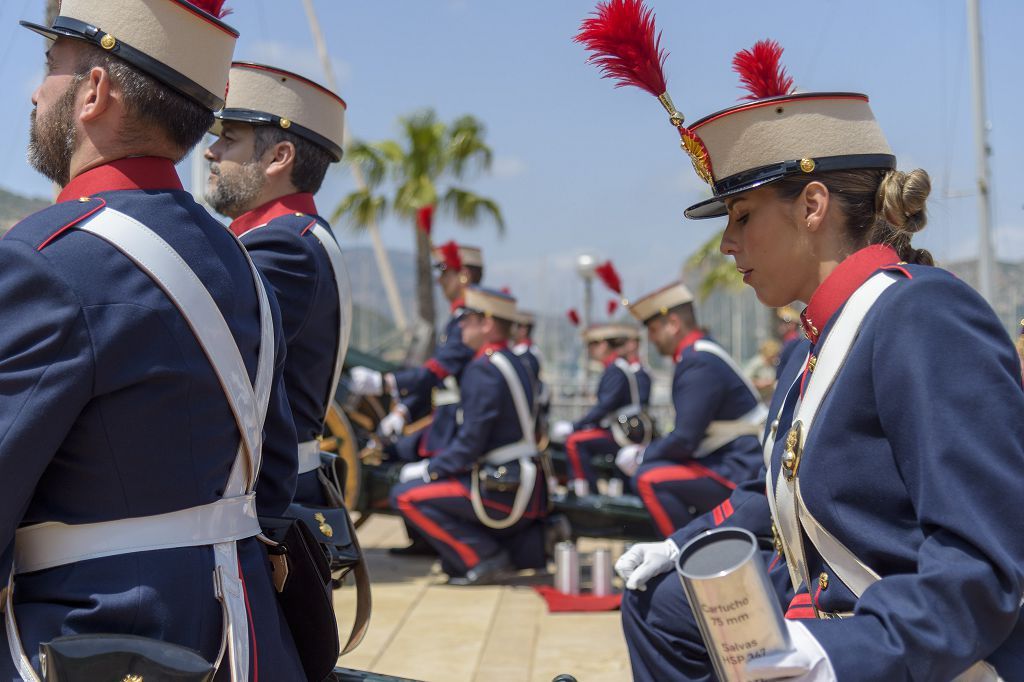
column 806, row 661
column 392, row 424
column 560, row 430
column 646, row 560
column 366, row 381
column 414, row 471
column 629, row 458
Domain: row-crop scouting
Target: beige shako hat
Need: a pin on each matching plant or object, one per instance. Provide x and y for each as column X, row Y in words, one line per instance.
column 525, row 318
column 659, row 302
column 606, row 332
column 182, row 44
column 778, row 133
column 491, row 303
column 266, row 95
column 453, row 256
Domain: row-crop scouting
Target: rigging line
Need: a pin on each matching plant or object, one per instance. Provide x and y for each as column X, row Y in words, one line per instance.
column 262, row 18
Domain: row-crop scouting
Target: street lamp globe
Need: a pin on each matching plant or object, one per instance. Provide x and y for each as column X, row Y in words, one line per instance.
column 585, row 265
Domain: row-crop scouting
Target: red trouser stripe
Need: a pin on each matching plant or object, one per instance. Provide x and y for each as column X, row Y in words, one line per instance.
column 407, row 505
column 680, row 472
column 252, row 628
column 572, row 447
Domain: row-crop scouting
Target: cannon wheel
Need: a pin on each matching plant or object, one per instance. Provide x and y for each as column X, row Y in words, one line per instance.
column 340, row 438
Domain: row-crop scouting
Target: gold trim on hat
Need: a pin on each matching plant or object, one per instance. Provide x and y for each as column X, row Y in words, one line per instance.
column 285, row 123
column 108, row 42
column 807, row 165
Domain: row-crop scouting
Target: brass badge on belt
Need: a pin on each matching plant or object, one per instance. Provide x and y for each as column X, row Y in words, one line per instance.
column 325, row 527
column 791, row 456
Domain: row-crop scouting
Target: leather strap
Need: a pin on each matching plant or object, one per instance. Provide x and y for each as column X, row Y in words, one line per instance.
column 527, row 469
column 344, row 288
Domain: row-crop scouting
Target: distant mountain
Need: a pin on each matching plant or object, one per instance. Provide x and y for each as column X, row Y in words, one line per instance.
column 14, row 207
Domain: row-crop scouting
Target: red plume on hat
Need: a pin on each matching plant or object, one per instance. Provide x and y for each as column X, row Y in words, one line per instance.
column 211, row 7
column 425, row 219
column 573, row 316
column 761, row 71
column 450, row 255
column 607, row 274
column 626, row 46
column 613, row 305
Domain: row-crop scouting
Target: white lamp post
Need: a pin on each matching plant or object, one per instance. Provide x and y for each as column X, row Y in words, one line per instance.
column 585, row 265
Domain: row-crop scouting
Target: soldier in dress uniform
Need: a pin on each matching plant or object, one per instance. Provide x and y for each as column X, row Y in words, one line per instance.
column 126, row 495
column 894, row 482
column 718, row 414
column 481, row 499
column 619, row 394
column 278, row 134
column 432, row 388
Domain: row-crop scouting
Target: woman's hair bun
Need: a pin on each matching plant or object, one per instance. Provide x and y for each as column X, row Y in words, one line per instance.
column 901, row 199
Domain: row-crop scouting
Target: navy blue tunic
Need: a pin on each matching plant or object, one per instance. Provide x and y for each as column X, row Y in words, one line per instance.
column 282, row 245
column 109, row 409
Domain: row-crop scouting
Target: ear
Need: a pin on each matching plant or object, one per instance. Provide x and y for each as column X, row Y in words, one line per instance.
column 95, row 95
column 282, row 160
column 813, row 205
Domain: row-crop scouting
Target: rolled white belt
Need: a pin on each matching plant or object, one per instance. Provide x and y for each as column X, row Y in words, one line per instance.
column 510, row 453
column 449, row 395
column 309, row 456
column 628, row 411
column 50, row 544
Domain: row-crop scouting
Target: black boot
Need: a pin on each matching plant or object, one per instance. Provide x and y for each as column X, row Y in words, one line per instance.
column 487, row 572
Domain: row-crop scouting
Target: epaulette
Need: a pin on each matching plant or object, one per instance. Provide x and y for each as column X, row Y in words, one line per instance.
column 44, row 227
column 296, row 223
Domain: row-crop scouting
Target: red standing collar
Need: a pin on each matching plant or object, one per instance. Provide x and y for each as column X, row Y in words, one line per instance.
column 301, row 202
column 840, row 285
column 137, row 172
column 687, row 341
column 610, row 359
column 490, row 348
column 456, row 304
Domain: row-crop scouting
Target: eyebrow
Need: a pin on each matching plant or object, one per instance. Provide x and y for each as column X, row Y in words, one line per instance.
column 735, row 201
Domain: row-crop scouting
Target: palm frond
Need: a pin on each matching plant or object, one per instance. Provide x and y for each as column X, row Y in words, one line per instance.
column 717, row 270
column 374, row 163
column 470, row 208
column 360, row 209
column 465, row 148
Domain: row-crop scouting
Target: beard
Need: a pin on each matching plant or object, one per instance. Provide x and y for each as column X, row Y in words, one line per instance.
column 235, row 192
column 52, row 139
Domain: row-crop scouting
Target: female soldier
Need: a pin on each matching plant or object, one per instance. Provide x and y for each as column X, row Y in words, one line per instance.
column 894, row 458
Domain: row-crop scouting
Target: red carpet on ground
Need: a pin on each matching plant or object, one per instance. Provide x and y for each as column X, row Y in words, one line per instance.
column 558, row 602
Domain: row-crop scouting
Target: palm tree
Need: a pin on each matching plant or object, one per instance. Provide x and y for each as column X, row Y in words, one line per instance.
column 430, row 153
column 717, row 270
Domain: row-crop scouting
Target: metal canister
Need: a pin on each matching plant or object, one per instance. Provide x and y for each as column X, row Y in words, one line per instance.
column 739, row 616
column 614, row 488
column 601, row 573
column 581, row 487
column 567, row 568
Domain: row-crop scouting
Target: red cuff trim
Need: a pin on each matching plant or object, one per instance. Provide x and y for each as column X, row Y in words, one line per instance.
column 437, row 369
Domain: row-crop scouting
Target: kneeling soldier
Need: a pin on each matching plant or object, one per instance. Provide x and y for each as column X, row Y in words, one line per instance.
column 479, row 500
column 719, row 415
column 278, row 134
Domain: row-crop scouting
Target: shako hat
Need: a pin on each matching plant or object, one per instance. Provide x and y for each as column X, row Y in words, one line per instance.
column 607, row 332
column 777, row 133
column 659, row 302
column 525, row 318
column 183, row 44
column 453, row 256
column 490, row 303
column 266, row 95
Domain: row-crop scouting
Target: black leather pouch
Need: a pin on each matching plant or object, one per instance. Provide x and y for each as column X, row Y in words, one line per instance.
column 503, row 478
column 302, row 578
column 331, row 528
column 87, row 658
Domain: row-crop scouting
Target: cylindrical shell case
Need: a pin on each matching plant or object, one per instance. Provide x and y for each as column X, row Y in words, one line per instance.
column 736, row 607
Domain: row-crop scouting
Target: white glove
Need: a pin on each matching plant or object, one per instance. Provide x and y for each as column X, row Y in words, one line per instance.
column 560, row 430
column 806, row 661
column 366, row 381
column 414, row 471
column 645, row 560
column 629, row 458
column 392, row 424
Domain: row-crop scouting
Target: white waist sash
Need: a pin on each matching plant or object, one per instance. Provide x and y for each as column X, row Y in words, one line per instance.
column 309, row 456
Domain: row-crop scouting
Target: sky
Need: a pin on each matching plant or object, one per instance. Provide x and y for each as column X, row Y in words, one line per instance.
column 582, row 167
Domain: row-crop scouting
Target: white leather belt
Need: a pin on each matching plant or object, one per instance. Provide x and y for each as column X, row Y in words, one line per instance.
column 50, row 544
column 309, row 456
column 510, row 453
column 724, row 431
column 449, row 395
